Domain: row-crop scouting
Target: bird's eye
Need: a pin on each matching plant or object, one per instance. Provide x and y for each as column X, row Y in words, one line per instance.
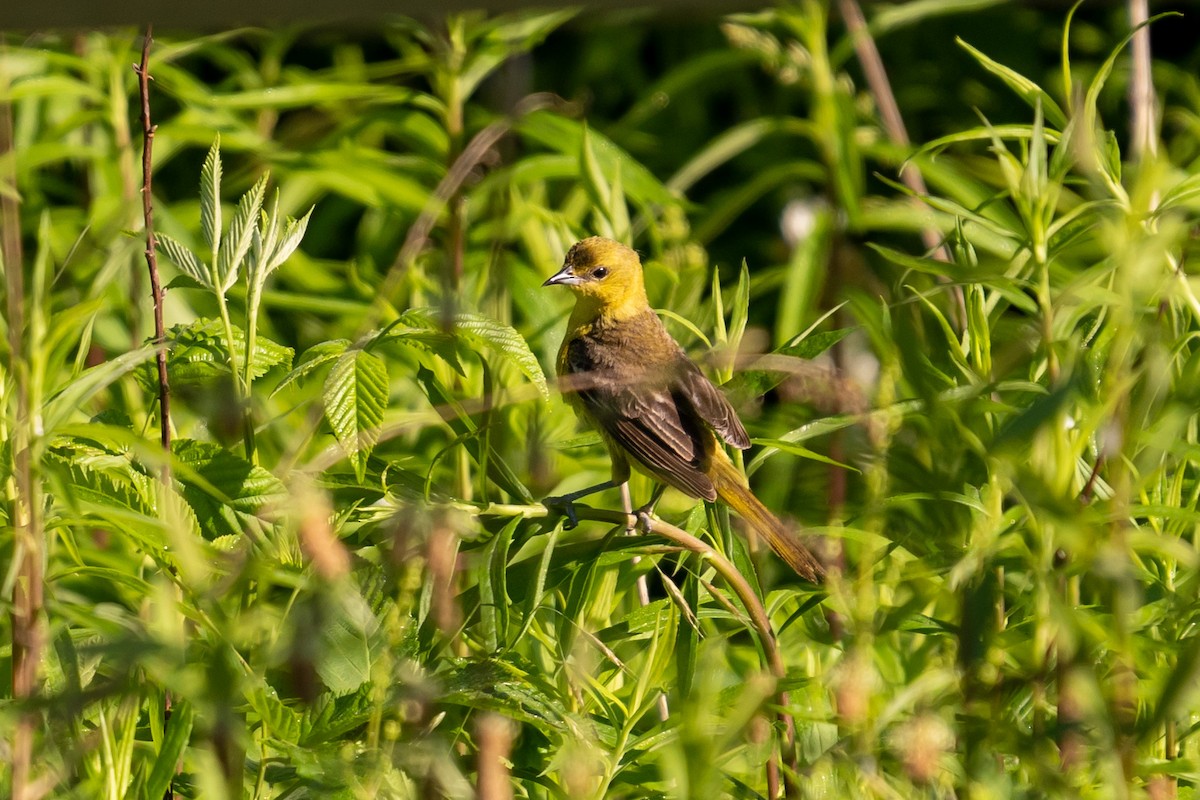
column 599, row 272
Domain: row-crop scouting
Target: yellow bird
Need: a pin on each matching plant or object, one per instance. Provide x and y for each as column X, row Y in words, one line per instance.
column 624, row 374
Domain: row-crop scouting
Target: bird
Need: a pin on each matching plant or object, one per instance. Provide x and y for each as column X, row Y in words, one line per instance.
column 623, row 374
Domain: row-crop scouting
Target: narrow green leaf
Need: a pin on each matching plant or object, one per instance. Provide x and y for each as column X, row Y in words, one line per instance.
column 293, row 233
column 210, row 198
column 740, row 312
column 533, row 600
column 464, row 427
column 76, row 394
column 186, row 260
column 1026, row 89
column 803, row 452
column 493, row 587
column 236, row 242
column 594, row 180
column 178, row 734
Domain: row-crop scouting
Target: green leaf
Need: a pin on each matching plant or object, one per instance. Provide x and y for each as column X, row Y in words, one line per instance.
column 481, row 331
column 313, row 359
column 178, row 734
column 1019, row 431
column 803, row 452
column 198, row 356
column 356, row 394
column 226, row 491
column 755, row 382
column 77, row 393
column 345, row 653
column 236, row 242
column 465, row 428
column 186, row 260
column 533, row 599
column 183, row 281
column 566, row 136
column 1026, row 89
column 210, row 198
column 493, row 587
column 504, row 686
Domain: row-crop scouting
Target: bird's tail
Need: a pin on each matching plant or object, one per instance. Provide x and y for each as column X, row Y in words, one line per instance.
column 732, row 489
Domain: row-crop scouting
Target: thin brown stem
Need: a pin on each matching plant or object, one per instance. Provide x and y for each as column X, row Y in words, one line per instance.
column 893, row 124
column 156, row 293
column 156, row 290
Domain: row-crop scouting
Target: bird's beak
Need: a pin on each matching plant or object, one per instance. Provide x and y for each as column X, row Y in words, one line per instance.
column 564, row 277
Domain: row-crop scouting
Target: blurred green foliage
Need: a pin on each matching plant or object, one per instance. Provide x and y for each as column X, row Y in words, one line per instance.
column 348, row 575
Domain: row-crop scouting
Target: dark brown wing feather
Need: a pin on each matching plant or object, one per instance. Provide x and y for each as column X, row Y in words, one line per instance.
column 651, row 401
column 710, row 403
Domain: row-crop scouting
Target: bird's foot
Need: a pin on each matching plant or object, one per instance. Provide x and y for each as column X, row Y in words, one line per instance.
column 565, row 506
column 645, row 521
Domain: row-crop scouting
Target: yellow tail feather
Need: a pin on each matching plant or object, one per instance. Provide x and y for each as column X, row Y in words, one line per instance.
column 732, row 489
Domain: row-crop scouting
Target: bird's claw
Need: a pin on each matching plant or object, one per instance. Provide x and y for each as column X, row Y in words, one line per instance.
column 564, row 506
column 644, row 520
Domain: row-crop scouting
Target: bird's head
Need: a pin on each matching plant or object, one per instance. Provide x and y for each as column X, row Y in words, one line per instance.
column 604, row 275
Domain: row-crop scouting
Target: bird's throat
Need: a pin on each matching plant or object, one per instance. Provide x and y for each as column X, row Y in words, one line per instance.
column 591, row 311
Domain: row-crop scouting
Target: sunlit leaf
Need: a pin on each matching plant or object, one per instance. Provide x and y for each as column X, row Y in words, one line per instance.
column 356, row 394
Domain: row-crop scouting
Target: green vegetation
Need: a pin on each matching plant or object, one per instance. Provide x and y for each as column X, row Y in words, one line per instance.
column 340, row 582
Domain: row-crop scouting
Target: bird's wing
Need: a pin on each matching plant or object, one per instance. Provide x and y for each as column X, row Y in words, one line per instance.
column 712, row 406
column 645, row 413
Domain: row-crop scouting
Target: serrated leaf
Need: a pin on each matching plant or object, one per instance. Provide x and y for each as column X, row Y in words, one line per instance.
column 186, row 260
column 272, row 244
column 225, row 490
column 425, row 340
column 183, row 281
column 503, row 686
column 210, row 197
column 198, row 355
column 479, row 330
column 331, row 717
column 283, row 723
column 236, row 242
column 293, row 234
column 313, row 359
column 356, row 394
column 740, row 312
column 344, row 655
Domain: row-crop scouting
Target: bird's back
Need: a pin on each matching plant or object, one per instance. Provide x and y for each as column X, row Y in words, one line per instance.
column 631, row 381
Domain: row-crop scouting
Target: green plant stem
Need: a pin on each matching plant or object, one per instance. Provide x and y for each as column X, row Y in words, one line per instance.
column 240, row 390
column 677, row 536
